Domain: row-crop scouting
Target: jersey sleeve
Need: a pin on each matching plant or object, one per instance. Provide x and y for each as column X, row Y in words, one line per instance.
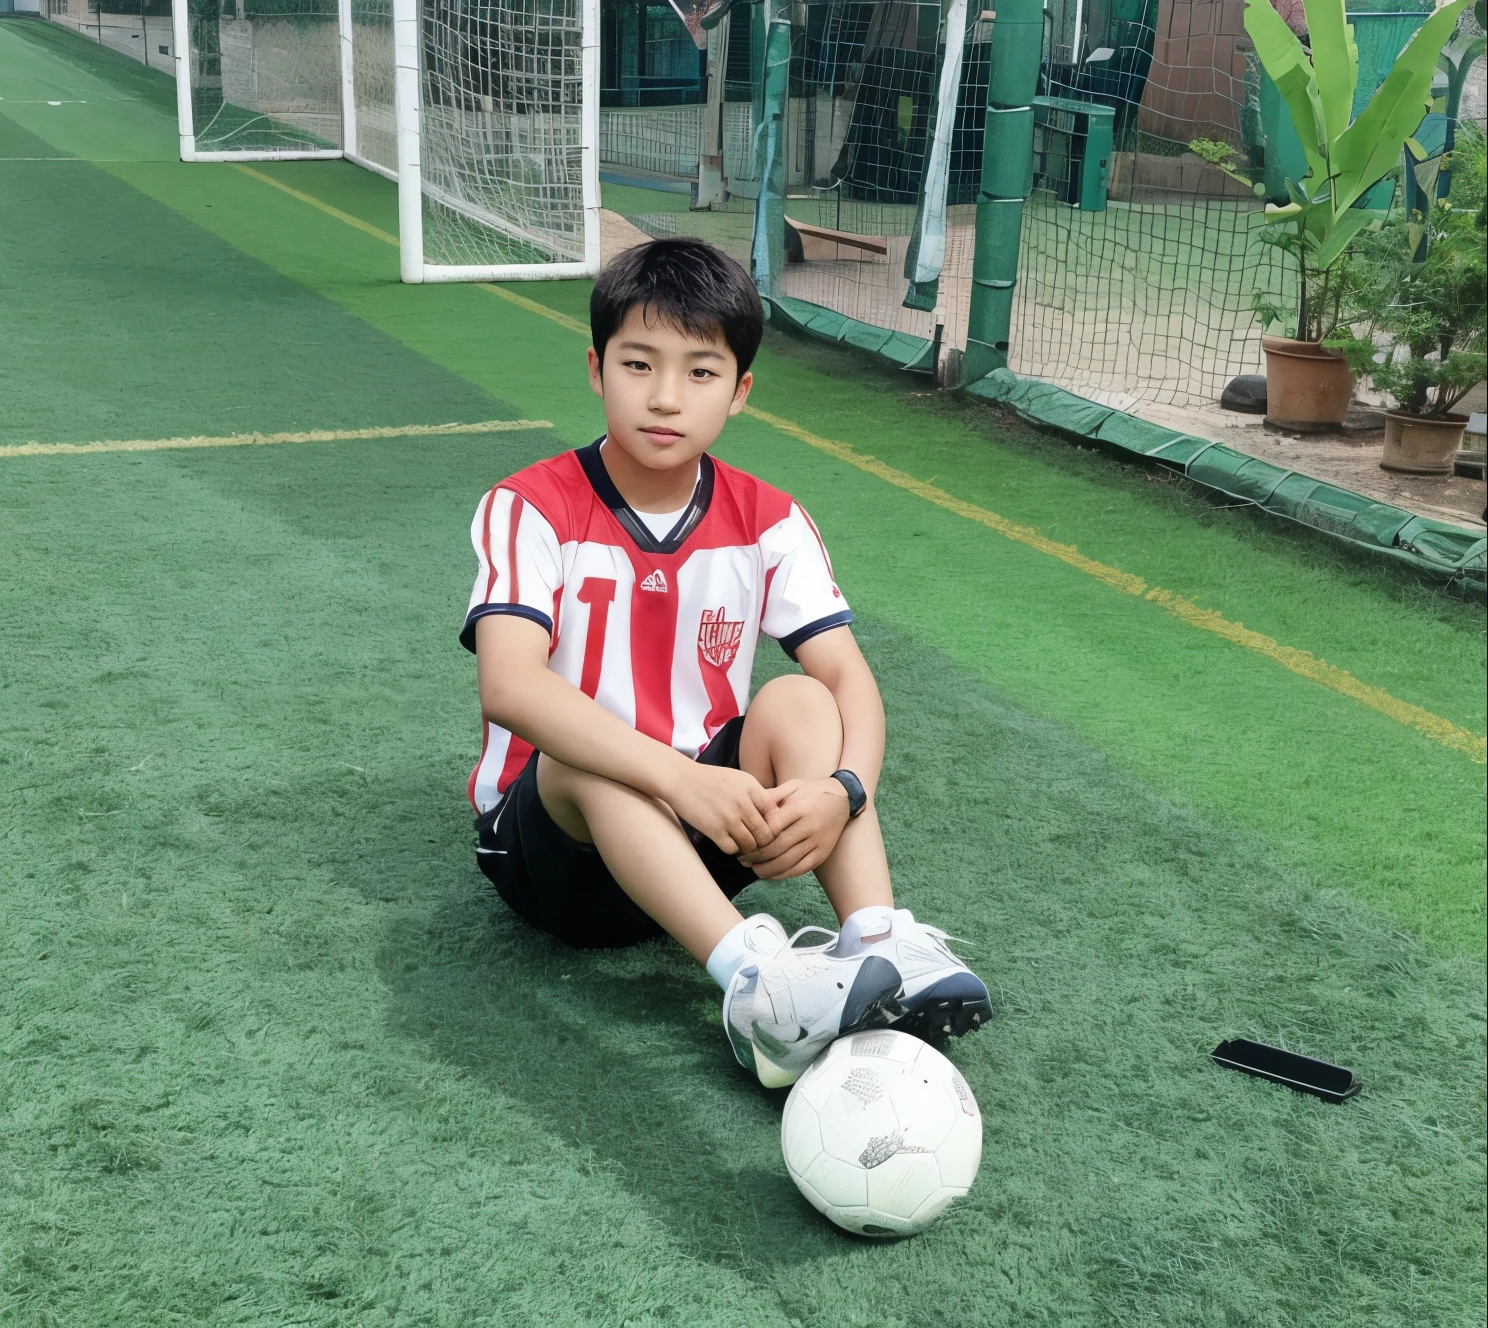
column 801, row 598
column 519, row 565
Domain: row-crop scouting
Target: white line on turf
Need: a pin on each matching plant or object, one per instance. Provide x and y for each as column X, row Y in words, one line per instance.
column 267, row 439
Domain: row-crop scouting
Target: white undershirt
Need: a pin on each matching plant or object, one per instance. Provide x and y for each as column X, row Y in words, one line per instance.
column 660, row 523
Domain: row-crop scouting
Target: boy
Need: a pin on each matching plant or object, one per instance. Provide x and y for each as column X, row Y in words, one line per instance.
column 622, row 789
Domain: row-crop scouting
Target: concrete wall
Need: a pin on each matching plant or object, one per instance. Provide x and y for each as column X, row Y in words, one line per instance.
column 290, row 70
column 140, row 39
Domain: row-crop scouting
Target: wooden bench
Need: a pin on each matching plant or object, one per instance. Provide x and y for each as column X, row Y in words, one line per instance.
column 819, row 243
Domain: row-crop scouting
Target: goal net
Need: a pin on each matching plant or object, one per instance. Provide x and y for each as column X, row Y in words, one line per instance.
column 485, row 112
column 845, row 143
column 886, row 106
column 1136, row 291
column 263, row 79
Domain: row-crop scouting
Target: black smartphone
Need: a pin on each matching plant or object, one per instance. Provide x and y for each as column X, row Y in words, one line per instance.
column 1332, row 1083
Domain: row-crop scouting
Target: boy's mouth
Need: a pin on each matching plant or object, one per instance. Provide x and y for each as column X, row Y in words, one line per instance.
column 659, row 433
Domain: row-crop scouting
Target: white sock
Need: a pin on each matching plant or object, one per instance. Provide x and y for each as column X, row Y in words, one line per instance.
column 876, row 921
column 748, row 941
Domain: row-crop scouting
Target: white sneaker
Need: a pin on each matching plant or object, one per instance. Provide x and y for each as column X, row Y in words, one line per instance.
column 942, row 998
column 763, row 939
column 782, row 1013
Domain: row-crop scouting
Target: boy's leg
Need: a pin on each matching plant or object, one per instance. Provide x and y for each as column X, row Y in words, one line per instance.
column 793, row 731
column 646, row 850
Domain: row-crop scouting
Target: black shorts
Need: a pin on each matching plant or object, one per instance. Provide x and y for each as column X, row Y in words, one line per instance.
column 562, row 886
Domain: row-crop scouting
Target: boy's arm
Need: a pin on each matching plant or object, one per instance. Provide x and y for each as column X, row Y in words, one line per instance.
column 519, row 692
column 834, row 660
column 814, row 812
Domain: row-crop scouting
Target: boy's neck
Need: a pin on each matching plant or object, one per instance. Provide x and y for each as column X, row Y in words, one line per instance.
column 645, row 489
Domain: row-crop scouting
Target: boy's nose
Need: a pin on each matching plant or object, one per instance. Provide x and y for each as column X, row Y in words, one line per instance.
column 664, row 397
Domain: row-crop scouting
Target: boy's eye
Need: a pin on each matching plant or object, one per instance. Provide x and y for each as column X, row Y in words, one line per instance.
column 635, row 364
column 703, row 373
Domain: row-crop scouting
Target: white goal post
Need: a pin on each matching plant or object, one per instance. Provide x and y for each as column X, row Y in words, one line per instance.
column 485, row 112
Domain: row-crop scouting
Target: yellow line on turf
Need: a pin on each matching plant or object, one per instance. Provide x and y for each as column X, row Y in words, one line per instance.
column 267, row 439
column 364, row 226
column 533, row 307
column 1320, row 671
column 1300, row 662
column 511, row 297
column 1066, row 553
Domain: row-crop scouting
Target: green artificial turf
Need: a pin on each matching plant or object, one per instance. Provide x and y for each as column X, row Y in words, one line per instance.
column 110, row 108
column 272, row 1057
column 628, row 198
column 270, row 1053
column 1408, row 836
column 197, row 338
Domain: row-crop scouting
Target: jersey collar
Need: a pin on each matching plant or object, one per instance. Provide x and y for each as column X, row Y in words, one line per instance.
column 609, row 495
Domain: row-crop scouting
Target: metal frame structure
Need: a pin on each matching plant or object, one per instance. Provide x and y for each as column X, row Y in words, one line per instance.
column 408, row 73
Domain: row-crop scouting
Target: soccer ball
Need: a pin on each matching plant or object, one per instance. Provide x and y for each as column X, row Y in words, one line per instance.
column 881, row 1133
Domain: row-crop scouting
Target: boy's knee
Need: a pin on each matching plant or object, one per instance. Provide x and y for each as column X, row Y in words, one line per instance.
column 793, row 727
column 797, row 696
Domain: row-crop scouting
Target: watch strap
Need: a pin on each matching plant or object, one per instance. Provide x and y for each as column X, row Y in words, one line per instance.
column 857, row 795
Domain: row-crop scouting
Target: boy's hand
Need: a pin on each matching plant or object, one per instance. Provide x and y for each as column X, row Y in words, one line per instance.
column 811, row 817
column 730, row 806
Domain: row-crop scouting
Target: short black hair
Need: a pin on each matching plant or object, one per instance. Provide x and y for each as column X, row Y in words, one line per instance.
column 685, row 283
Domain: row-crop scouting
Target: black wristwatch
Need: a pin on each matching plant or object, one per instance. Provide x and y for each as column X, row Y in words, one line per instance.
column 857, row 795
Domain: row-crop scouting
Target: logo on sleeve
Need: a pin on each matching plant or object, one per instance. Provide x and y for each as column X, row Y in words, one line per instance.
column 655, row 582
column 718, row 639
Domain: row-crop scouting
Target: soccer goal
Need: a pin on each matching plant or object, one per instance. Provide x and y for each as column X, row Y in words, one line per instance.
column 486, row 114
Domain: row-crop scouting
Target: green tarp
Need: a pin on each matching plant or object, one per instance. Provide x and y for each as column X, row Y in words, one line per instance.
column 898, row 348
column 1434, row 547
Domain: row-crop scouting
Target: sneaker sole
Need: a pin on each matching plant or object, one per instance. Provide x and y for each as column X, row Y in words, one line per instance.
column 954, row 1006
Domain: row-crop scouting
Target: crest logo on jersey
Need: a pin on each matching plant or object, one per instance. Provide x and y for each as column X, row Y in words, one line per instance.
column 655, row 582
column 718, row 639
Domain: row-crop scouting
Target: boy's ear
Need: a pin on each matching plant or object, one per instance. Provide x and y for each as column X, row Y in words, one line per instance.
column 596, row 379
column 741, row 392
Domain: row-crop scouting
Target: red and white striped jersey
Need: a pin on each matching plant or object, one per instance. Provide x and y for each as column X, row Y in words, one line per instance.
column 659, row 632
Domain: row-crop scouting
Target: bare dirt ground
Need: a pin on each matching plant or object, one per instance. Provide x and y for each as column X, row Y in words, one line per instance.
column 1350, row 461
column 616, row 235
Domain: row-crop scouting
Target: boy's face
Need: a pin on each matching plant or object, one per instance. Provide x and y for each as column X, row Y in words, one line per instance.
column 666, row 394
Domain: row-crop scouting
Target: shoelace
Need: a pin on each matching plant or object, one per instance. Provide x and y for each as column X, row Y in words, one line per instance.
column 942, row 936
column 806, row 949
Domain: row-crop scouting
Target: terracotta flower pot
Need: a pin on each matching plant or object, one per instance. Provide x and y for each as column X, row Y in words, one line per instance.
column 1308, row 388
column 1416, row 445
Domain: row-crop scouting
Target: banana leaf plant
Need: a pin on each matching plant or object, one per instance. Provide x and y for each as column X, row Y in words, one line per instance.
column 1419, row 326
column 1345, row 158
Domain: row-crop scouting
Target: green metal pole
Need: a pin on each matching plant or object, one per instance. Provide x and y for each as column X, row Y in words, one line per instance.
column 1007, row 175
column 1458, row 63
column 767, row 252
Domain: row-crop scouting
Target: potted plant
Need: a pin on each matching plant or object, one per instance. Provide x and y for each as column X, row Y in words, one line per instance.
column 1419, row 324
column 1308, row 382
